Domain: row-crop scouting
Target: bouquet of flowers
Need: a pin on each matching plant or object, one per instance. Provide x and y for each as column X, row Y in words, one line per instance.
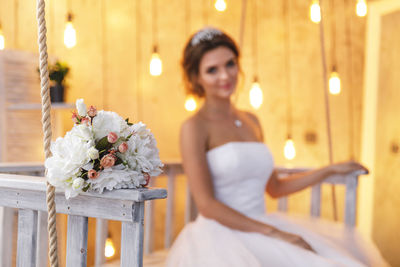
column 102, row 151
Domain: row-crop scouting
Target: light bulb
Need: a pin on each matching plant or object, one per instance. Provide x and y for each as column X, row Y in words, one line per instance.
column 315, row 12
column 334, row 83
column 2, row 42
column 256, row 95
column 109, row 249
column 69, row 33
column 155, row 63
column 289, row 150
column 361, row 8
column 220, row 5
column 190, row 104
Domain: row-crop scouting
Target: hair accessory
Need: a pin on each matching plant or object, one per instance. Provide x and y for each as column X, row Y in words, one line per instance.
column 206, row 34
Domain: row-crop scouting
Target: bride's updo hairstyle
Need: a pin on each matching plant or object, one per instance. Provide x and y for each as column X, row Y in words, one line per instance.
column 201, row 42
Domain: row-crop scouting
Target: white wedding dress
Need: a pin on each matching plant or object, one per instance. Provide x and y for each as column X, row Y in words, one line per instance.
column 240, row 171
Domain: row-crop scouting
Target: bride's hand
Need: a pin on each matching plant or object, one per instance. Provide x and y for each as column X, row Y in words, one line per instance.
column 347, row 167
column 292, row 238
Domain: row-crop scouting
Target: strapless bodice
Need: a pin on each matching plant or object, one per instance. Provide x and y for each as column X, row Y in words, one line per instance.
column 240, row 172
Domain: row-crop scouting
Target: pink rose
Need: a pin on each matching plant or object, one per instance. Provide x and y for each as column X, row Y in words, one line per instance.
column 123, row 147
column 147, row 177
column 92, row 111
column 112, row 137
column 85, row 120
column 75, row 117
column 108, row 161
column 92, row 174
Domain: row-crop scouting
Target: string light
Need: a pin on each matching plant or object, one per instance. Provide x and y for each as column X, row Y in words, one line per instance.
column 109, row 249
column 289, row 150
column 2, row 40
column 256, row 94
column 315, row 12
column 155, row 63
column 361, row 8
column 334, row 82
column 190, row 103
column 220, row 5
column 69, row 33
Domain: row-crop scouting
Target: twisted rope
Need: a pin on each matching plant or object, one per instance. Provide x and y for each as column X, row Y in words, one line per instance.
column 46, row 125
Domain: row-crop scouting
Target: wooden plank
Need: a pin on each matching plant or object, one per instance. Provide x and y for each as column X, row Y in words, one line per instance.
column 132, row 238
column 42, row 240
column 351, row 200
column 27, row 238
column 21, row 167
column 6, row 236
column 77, row 241
column 316, row 200
column 35, row 183
column 149, row 225
column 169, row 217
column 101, row 236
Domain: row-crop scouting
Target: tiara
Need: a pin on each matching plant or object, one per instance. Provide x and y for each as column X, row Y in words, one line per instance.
column 206, row 34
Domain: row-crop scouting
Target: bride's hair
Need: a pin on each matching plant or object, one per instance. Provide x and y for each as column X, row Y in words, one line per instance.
column 199, row 43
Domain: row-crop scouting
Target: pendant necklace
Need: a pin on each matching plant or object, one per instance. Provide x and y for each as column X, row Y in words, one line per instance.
column 238, row 123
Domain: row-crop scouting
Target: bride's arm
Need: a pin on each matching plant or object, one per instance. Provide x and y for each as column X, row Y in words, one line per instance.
column 281, row 187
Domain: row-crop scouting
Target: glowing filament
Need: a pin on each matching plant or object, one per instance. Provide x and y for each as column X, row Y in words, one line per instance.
column 220, row 5
column 109, row 249
column 256, row 95
column 69, row 35
column 361, row 8
column 190, row 104
column 155, row 64
column 315, row 12
column 289, row 150
column 334, row 83
column 2, row 42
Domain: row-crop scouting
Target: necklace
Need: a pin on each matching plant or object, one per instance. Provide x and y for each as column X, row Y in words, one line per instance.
column 238, row 123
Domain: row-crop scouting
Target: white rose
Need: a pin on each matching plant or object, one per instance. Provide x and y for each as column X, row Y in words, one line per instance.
column 81, row 107
column 78, row 183
column 93, row 153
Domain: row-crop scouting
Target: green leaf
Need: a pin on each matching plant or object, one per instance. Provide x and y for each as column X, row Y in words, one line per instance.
column 127, row 121
column 103, row 144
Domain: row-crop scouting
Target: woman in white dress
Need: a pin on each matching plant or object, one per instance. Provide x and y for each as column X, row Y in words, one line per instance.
column 229, row 168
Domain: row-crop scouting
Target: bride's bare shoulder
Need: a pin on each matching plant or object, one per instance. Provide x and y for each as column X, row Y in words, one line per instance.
column 195, row 126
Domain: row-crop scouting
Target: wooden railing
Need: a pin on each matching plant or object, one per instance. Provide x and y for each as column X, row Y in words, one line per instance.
column 171, row 170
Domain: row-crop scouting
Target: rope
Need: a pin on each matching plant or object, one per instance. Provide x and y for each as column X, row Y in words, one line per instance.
column 46, row 123
column 327, row 109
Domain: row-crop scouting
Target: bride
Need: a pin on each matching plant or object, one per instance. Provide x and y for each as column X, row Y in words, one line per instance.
column 229, row 168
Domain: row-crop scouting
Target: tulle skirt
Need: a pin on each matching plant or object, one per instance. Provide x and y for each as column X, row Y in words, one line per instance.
column 206, row 242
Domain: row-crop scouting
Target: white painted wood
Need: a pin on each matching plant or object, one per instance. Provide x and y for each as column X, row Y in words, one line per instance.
column 42, row 240
column 315, row 210
column 27, row 238
column 149, row 225
column 77, row 241
column 101, row 236
column 283, row 204
column 132, row 238
column 351, row 200
column 6, row 236
column 170, row 213
column 19, row 167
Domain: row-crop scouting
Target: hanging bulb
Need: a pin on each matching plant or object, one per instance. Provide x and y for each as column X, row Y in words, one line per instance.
column 109, row 249
column 361, row 8
column 190, row 103
column 69, row 33
column 315, row 12
column 2, row 42
column 256, row 94
column 220, row 5
column 289, row 150
column 155, row 63
column 334, row 82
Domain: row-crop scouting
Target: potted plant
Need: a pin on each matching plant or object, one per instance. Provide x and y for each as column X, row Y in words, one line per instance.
column 57, row 75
